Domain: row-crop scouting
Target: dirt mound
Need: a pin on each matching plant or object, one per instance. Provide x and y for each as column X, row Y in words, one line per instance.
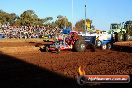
column 123, row 46
column 126, row 43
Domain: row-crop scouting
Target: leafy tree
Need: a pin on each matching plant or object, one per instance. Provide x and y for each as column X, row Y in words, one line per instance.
column 17, row 22
column 30, row 18
column 62, row 22
column 47, row 20
column 3, row 17
column 80, row 25
column 12, row 18
column 59, row 16
column 7, row 17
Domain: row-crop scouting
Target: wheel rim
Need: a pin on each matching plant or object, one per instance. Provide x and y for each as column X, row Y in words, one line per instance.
column 109, row 46
column 82, row 46
column 104, row 47
column 98, row 43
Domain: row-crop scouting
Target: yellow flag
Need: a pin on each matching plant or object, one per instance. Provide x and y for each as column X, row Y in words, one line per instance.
column 88, row 24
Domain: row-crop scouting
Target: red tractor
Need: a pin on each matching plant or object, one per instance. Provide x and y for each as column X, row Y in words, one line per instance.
column 73, row 42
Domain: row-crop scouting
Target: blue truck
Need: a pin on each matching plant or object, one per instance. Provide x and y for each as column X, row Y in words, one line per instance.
column 103, row 41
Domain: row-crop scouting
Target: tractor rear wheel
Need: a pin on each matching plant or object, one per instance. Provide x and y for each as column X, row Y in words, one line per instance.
column 109, row 46
column 79, row 46
column 126, row 36
column 120, row 37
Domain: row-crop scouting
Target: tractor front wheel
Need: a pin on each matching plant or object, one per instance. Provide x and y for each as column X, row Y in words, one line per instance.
column 79, row 46
column 104, row 47
column 109, row 46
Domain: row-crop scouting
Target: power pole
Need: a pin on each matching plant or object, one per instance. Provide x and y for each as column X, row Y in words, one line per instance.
column 72, row 15
column 85, row 16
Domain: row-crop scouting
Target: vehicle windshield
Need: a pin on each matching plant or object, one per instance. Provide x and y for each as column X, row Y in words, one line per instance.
column 115, row 26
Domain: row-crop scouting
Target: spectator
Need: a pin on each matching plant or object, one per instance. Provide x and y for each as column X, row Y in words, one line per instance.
column 28, row 31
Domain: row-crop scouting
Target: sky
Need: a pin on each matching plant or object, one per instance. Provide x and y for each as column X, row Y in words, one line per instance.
column 101, row 12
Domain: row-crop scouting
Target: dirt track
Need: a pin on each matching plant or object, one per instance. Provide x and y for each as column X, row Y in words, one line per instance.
column 67, row 62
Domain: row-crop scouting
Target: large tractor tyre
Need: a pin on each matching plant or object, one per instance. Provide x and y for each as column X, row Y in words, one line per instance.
column 126, row 36
column 80, row 37
column 120, row 37
column 79, row 46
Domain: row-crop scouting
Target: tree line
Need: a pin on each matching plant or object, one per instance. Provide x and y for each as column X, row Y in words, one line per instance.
column 30, row 18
